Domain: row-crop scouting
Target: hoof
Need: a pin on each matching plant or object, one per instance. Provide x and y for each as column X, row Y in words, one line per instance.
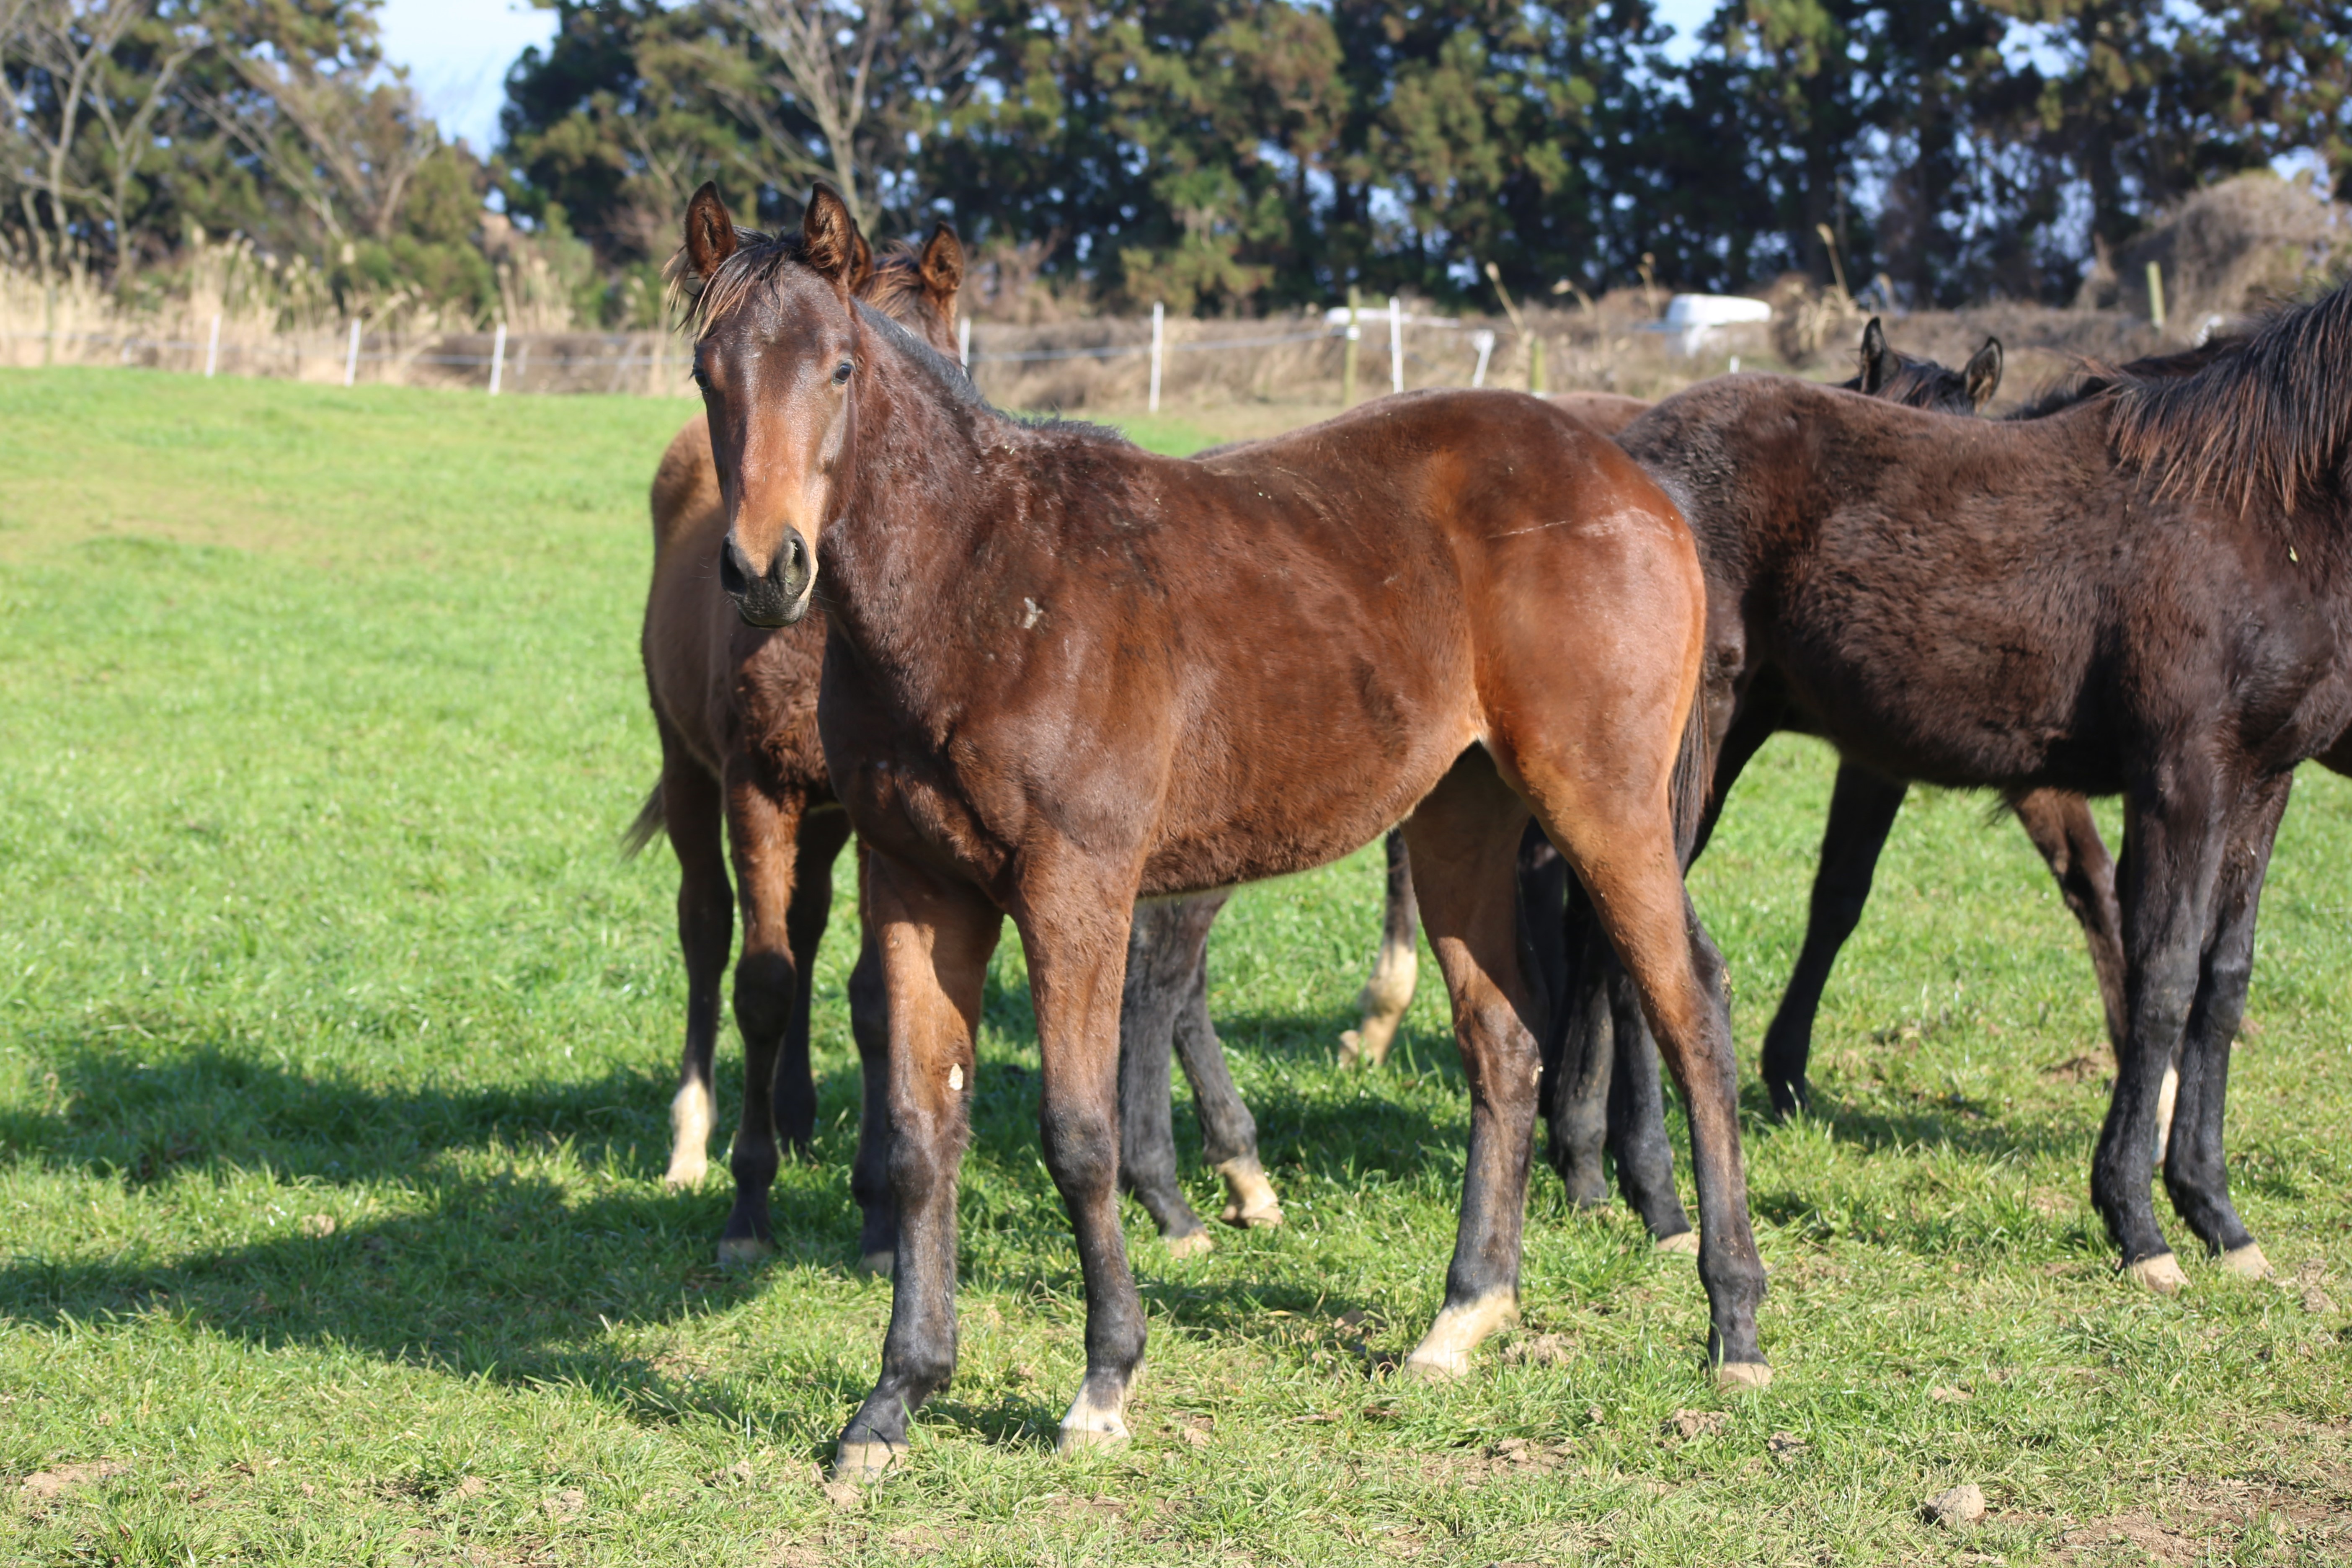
column 685, row 1172
column 1443, row 1353
column 877, row 1265
column 1351, row 1048
column 1436, row 1367
column 1078, row 1440
column 1683, row 1241
column 1191, row 1243
column 1091, row 1425
column 745, row 1252
column 863, row 1464
column 1252, row 1204
column 2160, row 1274
column 1739, row 1374
column 2247, row 1262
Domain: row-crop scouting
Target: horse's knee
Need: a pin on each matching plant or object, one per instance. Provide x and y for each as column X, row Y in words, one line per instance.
column 764, row 987
column 1081, row 1150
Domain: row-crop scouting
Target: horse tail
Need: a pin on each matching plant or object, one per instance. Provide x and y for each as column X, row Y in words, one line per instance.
column 649, row 825
column 1694, row 775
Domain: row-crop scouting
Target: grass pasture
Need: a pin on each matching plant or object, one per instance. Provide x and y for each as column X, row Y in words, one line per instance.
column 336, row 1042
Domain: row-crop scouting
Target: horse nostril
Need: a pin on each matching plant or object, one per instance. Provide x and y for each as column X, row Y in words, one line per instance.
column 734, row 574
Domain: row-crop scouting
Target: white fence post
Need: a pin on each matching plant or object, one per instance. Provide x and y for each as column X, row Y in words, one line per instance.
column 1159, row 343
column 963, row 342
column 1483, row 342
column 212, row 348
column 1396, row 345
column 498, row 357
column 352, row 354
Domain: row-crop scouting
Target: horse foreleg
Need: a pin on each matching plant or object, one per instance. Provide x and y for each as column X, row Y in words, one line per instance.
column 2195, row 1175
column 869, row 1026
column 1395, row 972
column 1862, row 808
column 817, row 845
column 706, row 930
column 1465, row 844
column 1160, row 961
column 1075, row 940
column 2172, row 862
column 936, row 935
column 762, row 831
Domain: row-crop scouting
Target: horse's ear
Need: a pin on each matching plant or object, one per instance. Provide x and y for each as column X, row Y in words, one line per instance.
column 1873, row 357
column 861, row 270
column 1984, row 373
column 710, row 233
column 830, row 243
column 942, row 267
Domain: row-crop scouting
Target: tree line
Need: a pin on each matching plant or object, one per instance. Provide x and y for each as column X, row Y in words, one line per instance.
column 1218, row 156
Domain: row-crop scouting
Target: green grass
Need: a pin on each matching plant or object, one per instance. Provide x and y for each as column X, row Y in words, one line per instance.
column 320, row 716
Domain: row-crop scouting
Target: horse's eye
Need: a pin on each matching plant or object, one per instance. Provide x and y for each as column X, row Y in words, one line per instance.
column 841, row 373
column 701, row 376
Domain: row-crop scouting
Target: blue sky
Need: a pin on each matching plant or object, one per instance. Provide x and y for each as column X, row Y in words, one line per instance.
column 458, row 51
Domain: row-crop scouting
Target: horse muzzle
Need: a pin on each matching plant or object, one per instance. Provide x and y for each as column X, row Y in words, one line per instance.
column 776, row 597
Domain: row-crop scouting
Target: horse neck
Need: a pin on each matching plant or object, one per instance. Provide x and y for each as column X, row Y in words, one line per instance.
column 923, row 481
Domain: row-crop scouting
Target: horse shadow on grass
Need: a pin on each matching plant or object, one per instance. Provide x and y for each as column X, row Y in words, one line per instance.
column 530, row 1215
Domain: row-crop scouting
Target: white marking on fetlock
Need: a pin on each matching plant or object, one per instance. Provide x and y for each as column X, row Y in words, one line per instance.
column 745, row 1252
column 1191, row 1243
column 2166, row 1098
column 2247, row 1262
column 1737, row 1374
column 1251, row 1200
column 1444, row 1350
column 1382, row 1002
column 1092, row 1425
column 862, row 1464
column 1682, row 1241
column 2160, row 1274
column 689, row 1121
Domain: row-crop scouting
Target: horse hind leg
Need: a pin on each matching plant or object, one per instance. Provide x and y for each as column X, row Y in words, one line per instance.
column 1395, row 972
column 692, row 812
column 1228, row 1130
column 1160, row 961
column 1622, row 848
column 1465, row 840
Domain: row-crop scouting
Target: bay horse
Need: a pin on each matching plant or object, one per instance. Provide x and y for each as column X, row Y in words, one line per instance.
column 2145, row 593
column 1061, row 673
column 736, row 710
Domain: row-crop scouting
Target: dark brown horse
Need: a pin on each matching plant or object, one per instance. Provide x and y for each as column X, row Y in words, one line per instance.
column 2147, row 592
column 736, row 708
column 1063, row 673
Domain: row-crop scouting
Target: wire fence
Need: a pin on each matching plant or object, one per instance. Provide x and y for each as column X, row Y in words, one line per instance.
column 1310, row 357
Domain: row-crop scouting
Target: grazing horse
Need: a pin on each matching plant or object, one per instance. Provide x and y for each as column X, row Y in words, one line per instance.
column 736, row 709
column 2146, row 593
column 1061, row 673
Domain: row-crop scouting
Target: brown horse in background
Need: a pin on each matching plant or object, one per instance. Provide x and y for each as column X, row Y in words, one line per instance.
column 1063, row 673
column 1576, row 1148
column 736, row 709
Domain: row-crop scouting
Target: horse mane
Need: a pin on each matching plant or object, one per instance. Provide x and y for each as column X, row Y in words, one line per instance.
column 898, row 276
column 2092, row 378
column 2268, row 417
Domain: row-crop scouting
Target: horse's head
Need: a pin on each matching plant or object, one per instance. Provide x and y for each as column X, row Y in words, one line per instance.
column 776, row 349
column 1922, row 383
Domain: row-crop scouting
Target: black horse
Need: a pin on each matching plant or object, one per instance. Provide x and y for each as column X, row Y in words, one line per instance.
column 2145, row 593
